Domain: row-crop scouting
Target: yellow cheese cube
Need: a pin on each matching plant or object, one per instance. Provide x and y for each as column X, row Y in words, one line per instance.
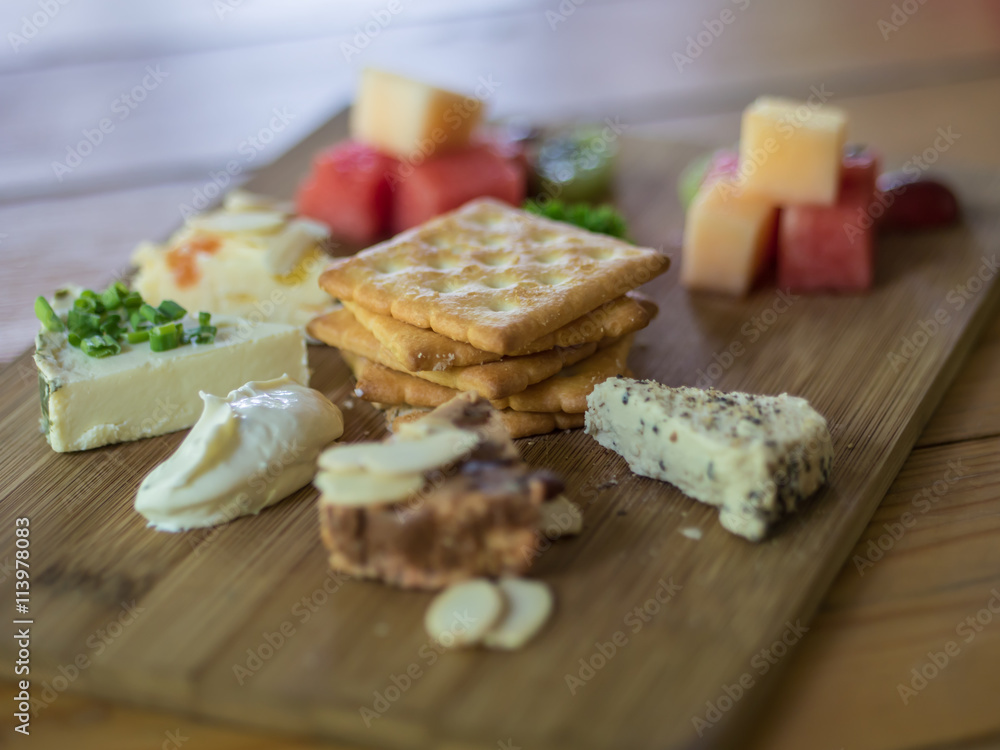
column 726, row 238
column 409, row 119
column 791, row 151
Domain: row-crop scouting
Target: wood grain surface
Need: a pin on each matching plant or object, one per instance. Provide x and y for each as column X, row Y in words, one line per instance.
column 246, row 623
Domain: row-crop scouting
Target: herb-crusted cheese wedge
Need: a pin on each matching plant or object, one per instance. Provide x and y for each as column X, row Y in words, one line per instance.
column 754, row 457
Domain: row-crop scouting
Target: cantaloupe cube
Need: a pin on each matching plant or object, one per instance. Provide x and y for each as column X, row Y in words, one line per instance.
column 790, row 151
column 409, row 119
column 727, row 236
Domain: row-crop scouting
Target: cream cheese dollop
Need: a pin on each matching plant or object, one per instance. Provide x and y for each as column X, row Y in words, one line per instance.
column 247, row 451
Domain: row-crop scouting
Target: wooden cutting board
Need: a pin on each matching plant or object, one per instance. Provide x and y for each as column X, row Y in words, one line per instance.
column 659, row 640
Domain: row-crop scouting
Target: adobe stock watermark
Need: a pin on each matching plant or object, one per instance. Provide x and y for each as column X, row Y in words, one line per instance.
column 713, row 28
column 272, row 641
column 956, row 298
column 562, row 12
column 249, row 148
column 223, row 8
column 899, row 17
column 634, row 621
column 397, row 684
column 922, row 502
column 937, row 661
column 258, row 485
column 97, row 643
column 760, row 665
column 31, row 25
column 122, row 106
column 751, row 331
column 365, row 33
column 914, row 167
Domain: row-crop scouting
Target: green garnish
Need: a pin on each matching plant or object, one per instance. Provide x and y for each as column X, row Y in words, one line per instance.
column 111, row 299
column 204, row 334
column 165, row 337
column 82, row 323
column 96, row 330
column 171, row 310
column 100, row 346
column 601, row 219
column 45, row 313
column 150, row 313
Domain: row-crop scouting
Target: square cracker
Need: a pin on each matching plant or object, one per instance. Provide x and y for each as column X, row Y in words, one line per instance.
column 518, row 424
column 423, row 349
column 565, row 392
column 492, row 380
column 491, row 275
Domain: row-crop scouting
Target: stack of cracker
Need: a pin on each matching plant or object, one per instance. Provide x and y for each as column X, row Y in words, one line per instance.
column 524, row 311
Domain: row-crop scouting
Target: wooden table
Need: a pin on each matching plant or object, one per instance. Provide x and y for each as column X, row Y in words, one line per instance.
column 212, row 77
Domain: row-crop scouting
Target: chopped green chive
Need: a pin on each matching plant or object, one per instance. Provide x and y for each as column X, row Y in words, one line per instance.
column 204, row 334
column 110, row 325
column 93, row 326
column 111, row 299
column 83, row 324
column 164, row 337
column 48, row 317
column 171, row 310
column 132, row 300
column 100, row 346
column 92, row 300
column 150, row 313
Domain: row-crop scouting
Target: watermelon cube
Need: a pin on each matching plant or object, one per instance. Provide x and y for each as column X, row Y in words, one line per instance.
column 447, row 181
column 832, row 247
column 348, row 190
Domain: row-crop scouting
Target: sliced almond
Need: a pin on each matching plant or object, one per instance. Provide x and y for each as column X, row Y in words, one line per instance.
column 237, row 222
column 529, row 605
column 287, row 247
column 560, row 517
column 463, row 613
column 366, row 489
column 399, row 457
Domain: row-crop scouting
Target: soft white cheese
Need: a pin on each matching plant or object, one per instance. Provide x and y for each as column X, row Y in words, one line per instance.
column 754, row 457
column 246, row 452
column 89, row 402
column 249, row 259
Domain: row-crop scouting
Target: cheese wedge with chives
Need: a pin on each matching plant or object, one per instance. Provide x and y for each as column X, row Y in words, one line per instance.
column 88, row 402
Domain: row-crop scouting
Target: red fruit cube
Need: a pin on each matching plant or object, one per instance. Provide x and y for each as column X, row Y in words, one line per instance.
column 832, row 247
column 447, row 181
column 348, row 190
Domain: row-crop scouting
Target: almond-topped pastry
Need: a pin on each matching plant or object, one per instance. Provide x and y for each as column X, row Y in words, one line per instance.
column 445, row 499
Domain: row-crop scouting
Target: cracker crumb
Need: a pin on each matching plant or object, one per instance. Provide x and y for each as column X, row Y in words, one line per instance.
column 348, row 403
column 692, row 532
